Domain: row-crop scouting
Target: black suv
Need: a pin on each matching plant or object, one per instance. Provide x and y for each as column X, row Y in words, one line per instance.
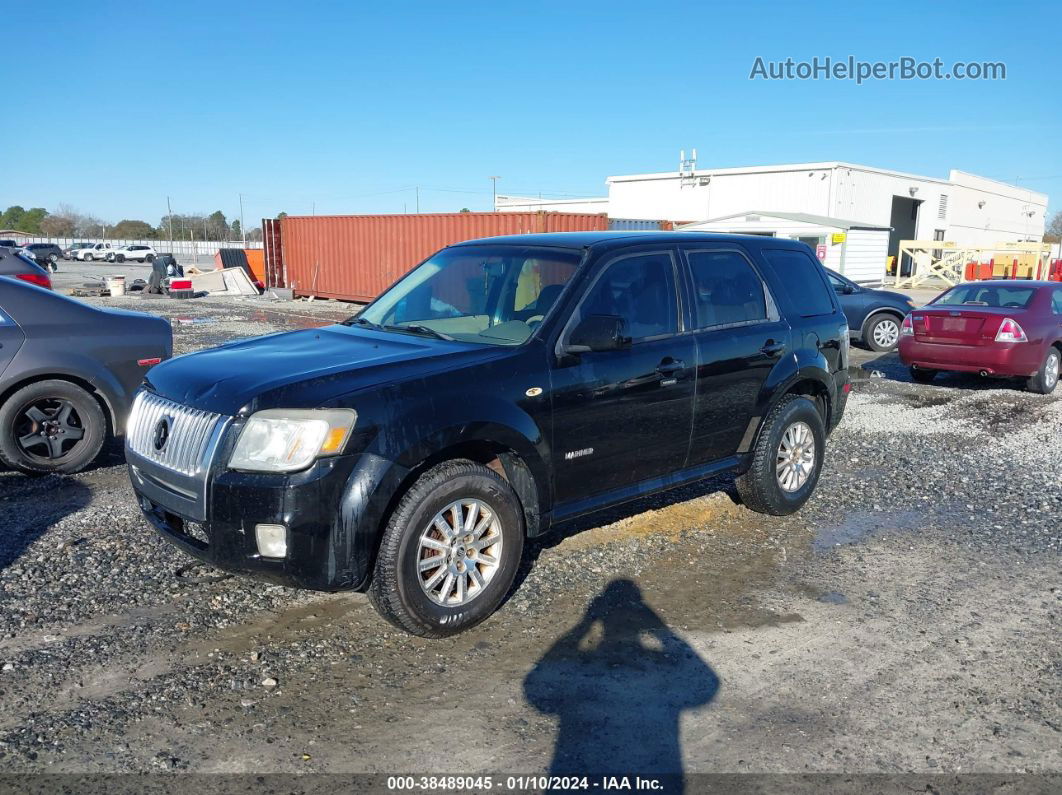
column 501, row 387
column 46, row 254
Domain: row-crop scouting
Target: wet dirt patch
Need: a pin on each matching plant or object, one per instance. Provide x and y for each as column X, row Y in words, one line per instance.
column 861, row 525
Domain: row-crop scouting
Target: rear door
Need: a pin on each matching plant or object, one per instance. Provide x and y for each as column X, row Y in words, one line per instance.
column 624, row 416
column 740, row 337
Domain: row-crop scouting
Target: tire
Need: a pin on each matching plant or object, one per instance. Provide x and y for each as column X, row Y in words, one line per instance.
column 1046, row 378
column 120, row 257
column 110, row 258
column 883, row 333
column 53, row 258
column 760, row 487
column 398, row 588
column 149, row 258
column 90, row 258
column 50, row 399
column 922, row 375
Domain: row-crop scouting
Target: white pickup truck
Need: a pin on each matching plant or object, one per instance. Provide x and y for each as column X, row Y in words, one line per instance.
column 97, row 251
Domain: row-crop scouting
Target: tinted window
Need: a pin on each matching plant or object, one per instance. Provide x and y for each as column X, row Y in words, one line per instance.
column 1056, row 301
column 801, row 276
column 640, row 290
column 987, row 295
column 725, row 289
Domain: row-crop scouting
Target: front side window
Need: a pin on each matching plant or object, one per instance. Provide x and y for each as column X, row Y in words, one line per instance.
column 987, row 295
column 495, row 295
column 801, row 276
column 640, row 290
column 726, row 289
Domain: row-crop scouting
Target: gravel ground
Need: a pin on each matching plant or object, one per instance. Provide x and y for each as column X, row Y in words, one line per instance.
column 907, row 620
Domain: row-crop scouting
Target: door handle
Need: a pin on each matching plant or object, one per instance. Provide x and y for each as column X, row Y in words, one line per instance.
column 670, row 367
column 772, row 348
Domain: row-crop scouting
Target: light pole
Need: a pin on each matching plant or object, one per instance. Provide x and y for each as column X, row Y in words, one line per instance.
column 494, row 191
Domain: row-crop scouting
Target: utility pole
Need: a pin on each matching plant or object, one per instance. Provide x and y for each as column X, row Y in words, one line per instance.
column 494, row 190
column 243, row 229
column 169, row 217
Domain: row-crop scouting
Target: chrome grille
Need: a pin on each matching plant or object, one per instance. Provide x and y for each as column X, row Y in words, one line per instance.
column 190, row 432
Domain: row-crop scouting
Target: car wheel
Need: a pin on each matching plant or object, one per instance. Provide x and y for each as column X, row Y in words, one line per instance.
column 120, row 257
column 883, row 333
column 787, row 458
column 1046, row 378
column 110, row 258
column 922, row 375
column 90, row 258
column 149, row 258
column 450, row 551
column 51, row 426
column 53, row 258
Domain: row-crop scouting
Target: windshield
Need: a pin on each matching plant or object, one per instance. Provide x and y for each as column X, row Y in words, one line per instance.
column 987, row 295
column 495, row 295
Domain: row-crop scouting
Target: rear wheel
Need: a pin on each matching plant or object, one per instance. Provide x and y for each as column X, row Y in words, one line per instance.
column 1046, row 378
column 450, row 551
column 883, row 333
column 787, row 458
column 923, row 376
column 149, row 258
column 51, row 426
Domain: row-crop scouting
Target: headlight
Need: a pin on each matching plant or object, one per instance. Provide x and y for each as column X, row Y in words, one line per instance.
column 285, row 440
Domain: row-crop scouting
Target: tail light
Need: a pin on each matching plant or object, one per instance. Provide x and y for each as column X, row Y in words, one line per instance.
column 38, row 279
column 1010, row 331
column 907, row 327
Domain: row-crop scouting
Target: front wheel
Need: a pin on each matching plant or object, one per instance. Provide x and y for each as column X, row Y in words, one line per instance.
column 120, row 257
column 787, row 458
column 51, row 426
column 90, row 258
column 149, row 258
column 1046, row 378
column 450, row 551
column 883, row 333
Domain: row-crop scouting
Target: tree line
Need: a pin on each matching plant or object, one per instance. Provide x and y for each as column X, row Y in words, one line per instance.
column 65, row 221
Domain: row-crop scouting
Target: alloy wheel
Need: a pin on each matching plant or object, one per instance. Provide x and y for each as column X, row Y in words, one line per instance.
column 1051, row 370
column 459, row 552
column 795, row 460
column 49, row 429
column 886, row 333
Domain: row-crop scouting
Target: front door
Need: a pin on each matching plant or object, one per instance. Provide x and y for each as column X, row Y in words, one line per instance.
column 740, row 338
column 624, row 416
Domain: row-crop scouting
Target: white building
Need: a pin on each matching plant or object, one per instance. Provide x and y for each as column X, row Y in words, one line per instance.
column 513, row 204
column 963, row 208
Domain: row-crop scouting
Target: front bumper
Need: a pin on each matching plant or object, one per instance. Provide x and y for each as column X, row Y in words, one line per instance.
column 331, row 512
column 1005, row 359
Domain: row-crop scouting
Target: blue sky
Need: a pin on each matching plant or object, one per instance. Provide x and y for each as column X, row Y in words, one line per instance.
column 345, row 107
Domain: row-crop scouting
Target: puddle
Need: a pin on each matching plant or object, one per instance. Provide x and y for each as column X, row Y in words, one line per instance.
column 861, row 525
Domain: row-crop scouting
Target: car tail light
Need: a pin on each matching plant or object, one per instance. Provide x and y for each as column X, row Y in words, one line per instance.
column 36, row 278
column 1010, row 331
column 907, row 327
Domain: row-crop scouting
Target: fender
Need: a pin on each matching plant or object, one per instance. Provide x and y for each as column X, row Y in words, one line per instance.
column 76, row 368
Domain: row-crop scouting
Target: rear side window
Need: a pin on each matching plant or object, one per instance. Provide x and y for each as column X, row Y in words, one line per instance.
column 1056, row 301
column 801, row 277
column 726, row 290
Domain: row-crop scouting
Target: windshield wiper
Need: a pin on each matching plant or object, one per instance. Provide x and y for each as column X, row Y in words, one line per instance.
column 360, row 321
column 424, row 330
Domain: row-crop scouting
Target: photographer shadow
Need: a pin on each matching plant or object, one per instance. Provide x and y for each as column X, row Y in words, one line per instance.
column 618, row 682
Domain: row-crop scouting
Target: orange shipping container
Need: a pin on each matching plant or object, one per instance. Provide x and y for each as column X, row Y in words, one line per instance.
column 356, row 257
column 256, row 262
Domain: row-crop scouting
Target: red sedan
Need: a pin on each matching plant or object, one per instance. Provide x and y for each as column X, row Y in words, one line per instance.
column 995, row 328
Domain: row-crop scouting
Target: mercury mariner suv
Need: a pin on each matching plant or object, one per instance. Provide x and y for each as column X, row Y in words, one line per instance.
column 503, row 386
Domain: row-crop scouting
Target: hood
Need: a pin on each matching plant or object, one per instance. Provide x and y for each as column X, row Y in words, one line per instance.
column 324, row 363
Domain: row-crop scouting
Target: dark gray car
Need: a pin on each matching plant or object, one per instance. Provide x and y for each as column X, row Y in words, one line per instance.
column 68, row 372
column 21, row 265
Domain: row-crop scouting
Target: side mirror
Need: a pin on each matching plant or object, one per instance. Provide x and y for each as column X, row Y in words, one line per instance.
column 597, row 333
